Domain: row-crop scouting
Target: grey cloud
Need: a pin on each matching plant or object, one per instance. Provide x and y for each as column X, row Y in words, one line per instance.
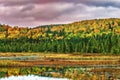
column 88, row 2
column 37, row 12
column 27, row 8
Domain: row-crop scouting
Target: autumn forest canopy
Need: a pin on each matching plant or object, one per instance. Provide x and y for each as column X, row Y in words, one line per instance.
column 88, row 36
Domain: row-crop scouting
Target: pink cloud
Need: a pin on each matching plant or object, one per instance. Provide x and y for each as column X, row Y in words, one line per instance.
column 41, row 12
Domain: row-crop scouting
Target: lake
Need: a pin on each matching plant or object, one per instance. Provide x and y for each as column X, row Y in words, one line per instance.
column 58, row 67
column 60, row 73
column 31, row 77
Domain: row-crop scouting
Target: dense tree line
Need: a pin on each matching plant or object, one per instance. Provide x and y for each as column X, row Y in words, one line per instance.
column 89, row 36
column 105, row 43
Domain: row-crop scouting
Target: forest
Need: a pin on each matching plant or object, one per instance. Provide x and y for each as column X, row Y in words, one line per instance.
column 87, row 36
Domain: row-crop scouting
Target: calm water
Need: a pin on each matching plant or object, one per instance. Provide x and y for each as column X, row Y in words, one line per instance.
column 61, row 72
column 31, row 77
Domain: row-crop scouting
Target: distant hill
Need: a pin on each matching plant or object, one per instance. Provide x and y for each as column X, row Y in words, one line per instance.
column 87, row 36
column 85, row 26
column 44, row 26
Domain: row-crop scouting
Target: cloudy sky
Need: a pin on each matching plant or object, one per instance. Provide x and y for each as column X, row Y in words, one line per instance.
column 32, row 13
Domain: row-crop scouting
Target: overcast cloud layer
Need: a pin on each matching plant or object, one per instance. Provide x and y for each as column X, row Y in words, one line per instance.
column 32, row 13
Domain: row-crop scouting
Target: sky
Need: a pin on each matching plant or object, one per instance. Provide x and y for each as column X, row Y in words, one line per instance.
column 31, row 13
